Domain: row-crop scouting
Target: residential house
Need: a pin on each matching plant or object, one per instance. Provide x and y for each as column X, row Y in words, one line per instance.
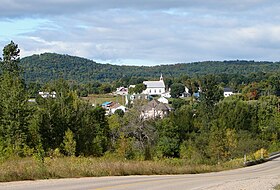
column 186, row 93
column 163, row 100
column 48, row 94
column 228, row 92
column 121, row 91
column 111, row 107
column 117, row 106
column 155, row 109
column 130, row 98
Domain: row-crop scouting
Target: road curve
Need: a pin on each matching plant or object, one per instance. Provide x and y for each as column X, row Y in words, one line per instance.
column 154, row 182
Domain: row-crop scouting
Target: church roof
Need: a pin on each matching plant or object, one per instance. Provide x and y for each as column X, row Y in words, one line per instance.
column 154, row 84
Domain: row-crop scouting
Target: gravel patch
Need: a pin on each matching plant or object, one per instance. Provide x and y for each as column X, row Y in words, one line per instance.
column 260, row 183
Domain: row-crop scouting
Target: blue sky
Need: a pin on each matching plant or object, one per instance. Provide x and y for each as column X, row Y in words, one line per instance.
column 144, row 32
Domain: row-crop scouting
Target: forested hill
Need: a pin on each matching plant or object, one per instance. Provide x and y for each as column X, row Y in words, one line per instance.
column 50, row 66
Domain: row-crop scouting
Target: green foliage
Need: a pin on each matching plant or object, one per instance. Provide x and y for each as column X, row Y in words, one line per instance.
column 15, row 113
column 211, row 92
column 93, row 134
column 138, row 89
column 119, row 112
column 69, row 143
column 125, row 148
column 168, row 147
column 176, row 90
column 189, row 151
column 11, row 59
column 49, row 66
column 177, row 103
column 169, row 141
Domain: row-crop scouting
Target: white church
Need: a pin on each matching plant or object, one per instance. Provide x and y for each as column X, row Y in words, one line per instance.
column 155, row 87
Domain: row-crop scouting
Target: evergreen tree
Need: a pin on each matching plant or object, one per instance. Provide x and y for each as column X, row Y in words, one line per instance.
column 11, row 59
column 15, row 112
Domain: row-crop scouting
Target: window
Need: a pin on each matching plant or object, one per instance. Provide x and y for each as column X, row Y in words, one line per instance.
column 155, row 91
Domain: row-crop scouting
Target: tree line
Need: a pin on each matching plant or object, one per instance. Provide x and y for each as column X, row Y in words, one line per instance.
column 47, row 67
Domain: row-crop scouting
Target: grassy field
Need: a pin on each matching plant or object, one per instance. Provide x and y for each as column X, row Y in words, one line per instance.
column 100, row 98
column 15, row 169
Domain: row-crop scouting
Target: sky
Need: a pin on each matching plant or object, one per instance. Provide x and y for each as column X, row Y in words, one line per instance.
column 144, row 32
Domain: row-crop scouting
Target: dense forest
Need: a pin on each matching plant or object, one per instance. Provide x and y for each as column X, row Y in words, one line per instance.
column 50, row 66
column 205, row 130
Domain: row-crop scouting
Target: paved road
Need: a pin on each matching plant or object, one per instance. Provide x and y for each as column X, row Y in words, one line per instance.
column 189, row 181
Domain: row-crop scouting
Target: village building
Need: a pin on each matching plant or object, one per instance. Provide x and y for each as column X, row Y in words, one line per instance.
column 155, row 109
column 111, row 107
column 116, row 107
column 228, row 92
column 121, row 91
column 154, row 87
column 48, row 94
column 129, row 98
column 163, row 100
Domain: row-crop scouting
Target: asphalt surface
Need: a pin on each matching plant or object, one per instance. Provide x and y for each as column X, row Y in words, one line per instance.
column 155, row 182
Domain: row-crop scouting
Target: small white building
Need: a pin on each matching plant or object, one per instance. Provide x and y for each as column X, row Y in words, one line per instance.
column 121, row 91
column 163, row 100
column 117, row 106
column 130, row 98
column 228, row 92
column 154, row 87
column 48, row 94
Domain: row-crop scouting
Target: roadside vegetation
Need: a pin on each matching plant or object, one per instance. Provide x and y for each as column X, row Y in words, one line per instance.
column 29, row 168
column 66, row 136
column 277, row 187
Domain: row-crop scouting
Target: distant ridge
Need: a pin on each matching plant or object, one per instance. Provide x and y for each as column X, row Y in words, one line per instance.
column 51, row 66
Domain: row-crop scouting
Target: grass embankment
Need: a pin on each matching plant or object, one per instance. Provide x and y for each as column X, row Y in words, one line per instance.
column 69, row 167
column 101, row 98
column 277, row 187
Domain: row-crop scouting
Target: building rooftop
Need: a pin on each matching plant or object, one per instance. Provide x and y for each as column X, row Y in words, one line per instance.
column 228, row 89
column 154, row 84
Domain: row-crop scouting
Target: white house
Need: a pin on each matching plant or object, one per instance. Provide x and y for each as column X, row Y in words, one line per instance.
column 132, row 97
column 48, row 94
column 117, row 106
column 163, row 100
column 228, row 92
column 154, row 87
column 121, row 91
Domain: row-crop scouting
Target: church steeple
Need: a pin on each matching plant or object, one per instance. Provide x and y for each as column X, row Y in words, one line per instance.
column 161, row 78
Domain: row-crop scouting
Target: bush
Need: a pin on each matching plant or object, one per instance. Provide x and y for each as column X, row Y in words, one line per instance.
column 262, row 153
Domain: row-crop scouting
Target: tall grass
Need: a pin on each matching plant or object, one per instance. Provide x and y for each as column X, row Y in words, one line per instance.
column 277, row 187
column 67, row 167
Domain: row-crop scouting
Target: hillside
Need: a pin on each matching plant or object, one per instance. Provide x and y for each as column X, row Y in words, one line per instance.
column 50, row 66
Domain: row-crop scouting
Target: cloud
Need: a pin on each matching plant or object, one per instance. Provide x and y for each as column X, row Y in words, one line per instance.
column 156, row 31
column 18, row 8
